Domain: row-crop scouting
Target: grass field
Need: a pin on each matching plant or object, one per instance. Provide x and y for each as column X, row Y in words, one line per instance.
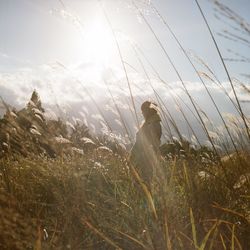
column 95, row 199
column 95, row 202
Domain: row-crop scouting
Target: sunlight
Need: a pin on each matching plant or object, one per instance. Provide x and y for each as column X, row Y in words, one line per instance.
column 98, row 43
column 124, row 124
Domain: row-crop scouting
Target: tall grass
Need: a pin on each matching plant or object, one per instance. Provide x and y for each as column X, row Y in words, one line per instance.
column 178, row 75
column 123, row 65
column 99, row 201
column 226, row 70
column 200, row 78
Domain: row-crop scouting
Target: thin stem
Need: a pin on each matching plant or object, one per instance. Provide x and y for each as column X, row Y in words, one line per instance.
column 178, row 75
column 122, row 62
column 119, row 112
column 196, row 71
column 225, row 67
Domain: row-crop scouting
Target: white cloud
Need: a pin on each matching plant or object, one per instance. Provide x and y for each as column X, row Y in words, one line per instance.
column 63, row 91
column 68, row 85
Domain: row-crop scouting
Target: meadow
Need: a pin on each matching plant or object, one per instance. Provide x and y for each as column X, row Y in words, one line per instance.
column 96, row 202
column 67, row 188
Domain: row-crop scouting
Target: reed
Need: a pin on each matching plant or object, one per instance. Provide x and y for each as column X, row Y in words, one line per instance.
column 98, row 200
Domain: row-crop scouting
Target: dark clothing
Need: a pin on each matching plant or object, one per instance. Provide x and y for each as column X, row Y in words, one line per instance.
column 145, row 153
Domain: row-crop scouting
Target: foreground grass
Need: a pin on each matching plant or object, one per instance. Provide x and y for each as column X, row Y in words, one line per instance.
column 95, row 202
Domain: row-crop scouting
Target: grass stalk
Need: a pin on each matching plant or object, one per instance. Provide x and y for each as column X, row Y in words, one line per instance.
column 225, row 67
column 131, row 238
column 178, row 75
column 127, row 130
column 167, row 235
column 92, row 99
column 122, row 62
column 173, row 97
column 100, row 234
column 205, row 240
column 196, row 71
column 146, row 191
column 194, row 233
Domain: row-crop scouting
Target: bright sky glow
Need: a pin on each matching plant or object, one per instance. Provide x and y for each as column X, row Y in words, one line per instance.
column 63, row 47
column 98, row 43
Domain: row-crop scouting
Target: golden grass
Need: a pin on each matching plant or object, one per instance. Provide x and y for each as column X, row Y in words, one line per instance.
column 83, row 205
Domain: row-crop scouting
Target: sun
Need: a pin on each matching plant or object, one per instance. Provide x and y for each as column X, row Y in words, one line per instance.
column 98, row 43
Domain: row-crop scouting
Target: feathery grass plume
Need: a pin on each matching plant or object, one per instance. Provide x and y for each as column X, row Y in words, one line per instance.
column 91, row 97
column 128, row 102
column 127, row 130
column 67, row 14
column 245, row 90
column 225, row 11
column 215, row 80
column 240, row 58
column 177, row 73
column 157, row 96
column 162, row 104
column 225, row 68
column 197, row 73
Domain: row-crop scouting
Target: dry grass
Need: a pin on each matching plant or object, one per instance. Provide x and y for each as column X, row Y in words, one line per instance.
column 95, row 202
column 98, row 201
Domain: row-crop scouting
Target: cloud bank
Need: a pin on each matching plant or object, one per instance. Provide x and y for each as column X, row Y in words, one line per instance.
column 100, row 97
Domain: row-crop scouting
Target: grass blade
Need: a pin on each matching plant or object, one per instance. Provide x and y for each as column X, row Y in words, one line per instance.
column 232, row 239
column 223, row 242
column 204, row 242
column 169, row 245
column 225, row 67
column 146, row 191
column 193, row 228
column 131, row 238
column 100, row 234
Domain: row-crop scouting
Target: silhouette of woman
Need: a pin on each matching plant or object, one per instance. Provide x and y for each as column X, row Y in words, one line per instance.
column 145, row 153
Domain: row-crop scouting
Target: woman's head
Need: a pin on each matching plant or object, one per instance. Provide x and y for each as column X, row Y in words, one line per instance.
column 148, row 109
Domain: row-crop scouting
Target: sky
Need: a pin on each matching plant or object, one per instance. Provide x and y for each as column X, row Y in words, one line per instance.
column 74, row 52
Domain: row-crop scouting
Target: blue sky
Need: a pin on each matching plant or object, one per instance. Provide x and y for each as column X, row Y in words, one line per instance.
column 50, row 44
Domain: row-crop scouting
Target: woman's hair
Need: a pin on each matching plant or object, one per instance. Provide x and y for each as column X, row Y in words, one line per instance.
column 149, row 108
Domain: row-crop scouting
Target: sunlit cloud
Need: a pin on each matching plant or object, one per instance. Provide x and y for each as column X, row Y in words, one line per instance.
column 66, row 87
